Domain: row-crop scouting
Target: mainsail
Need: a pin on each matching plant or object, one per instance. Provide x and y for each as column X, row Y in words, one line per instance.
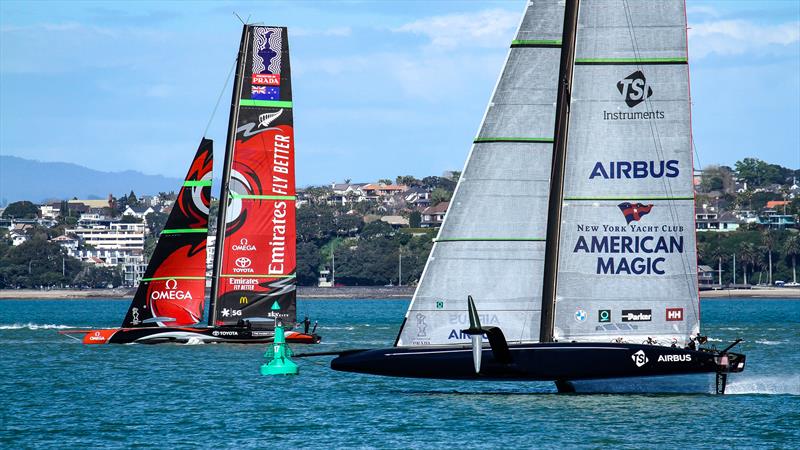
column 171, row 293
column 255, row 260
column 627, row 257
column 491, row 244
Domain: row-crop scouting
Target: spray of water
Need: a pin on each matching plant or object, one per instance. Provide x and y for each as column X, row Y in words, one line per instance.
column 789, row 384
column 35, row 326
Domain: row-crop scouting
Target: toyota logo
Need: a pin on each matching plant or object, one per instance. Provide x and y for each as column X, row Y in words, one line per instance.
column 243, row 262
column 173, row 285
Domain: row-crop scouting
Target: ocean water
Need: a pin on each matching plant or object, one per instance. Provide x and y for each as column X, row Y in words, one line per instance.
column 58, row 393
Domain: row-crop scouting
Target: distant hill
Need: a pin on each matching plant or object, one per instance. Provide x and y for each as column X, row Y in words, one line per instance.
column 25, row 179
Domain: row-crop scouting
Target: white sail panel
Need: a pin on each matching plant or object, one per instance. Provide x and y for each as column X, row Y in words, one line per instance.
column 491, row 244
column 627, row 255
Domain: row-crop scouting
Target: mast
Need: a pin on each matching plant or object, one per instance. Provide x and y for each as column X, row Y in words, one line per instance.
column 557, row 172
column 226, row 175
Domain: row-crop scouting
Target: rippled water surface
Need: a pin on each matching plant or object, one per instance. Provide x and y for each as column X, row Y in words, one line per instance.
column 58, row 393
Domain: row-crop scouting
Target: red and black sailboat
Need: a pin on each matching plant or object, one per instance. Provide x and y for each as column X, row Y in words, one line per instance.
column 253, row 281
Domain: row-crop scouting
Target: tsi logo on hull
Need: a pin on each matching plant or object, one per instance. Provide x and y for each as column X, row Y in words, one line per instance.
column 639, row 358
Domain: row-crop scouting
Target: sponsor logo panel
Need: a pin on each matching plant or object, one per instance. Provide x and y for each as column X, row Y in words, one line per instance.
column 639, row 358
column 674, row 314
column 634, row 90
column 98, row 336
column 635, row 170
column 637, row 315
column 266, row 79
column 634, row 211
column 262, row 231
column 675, row 358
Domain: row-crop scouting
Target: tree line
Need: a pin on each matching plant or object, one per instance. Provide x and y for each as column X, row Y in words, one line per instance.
column 761, row 255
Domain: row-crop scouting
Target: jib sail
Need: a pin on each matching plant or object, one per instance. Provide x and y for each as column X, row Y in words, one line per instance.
column 171, row 293
column 627, row 262
column 491, row 245
column 255, row 260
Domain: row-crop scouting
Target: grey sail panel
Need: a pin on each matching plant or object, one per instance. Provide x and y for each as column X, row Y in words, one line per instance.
column 491, row 244
column 627, row 261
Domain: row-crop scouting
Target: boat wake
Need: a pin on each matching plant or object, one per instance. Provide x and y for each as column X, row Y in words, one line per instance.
column 767, row 342
column 764, row 385
column 36, row 326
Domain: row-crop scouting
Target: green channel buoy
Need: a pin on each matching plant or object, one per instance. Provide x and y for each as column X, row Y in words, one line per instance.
column 278, row 354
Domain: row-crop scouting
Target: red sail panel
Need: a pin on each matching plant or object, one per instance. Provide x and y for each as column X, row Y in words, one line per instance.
column 257, row 265
column 172, row 289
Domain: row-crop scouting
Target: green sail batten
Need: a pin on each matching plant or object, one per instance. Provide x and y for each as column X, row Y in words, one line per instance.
column 631, row 60
column 489, row 240
column 184, row 230
column 513, row 139
column 173, row 278
column 262, row 197
column 192, row 183
column 266, row 103
column 537, row 42
column 255, row 275
column 633, row 197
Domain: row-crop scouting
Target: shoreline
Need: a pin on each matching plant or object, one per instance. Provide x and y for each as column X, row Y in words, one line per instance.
column 349, row 292
column 303, row 292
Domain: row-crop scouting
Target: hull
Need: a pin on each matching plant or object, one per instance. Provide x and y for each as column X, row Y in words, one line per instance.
column 184, row 335
column 568, row 364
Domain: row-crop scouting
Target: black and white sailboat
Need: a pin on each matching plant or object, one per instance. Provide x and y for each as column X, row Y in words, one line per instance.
column 253, row 281
column 572, row 226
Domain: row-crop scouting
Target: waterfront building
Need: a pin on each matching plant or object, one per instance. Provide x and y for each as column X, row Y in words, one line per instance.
column 433, row 216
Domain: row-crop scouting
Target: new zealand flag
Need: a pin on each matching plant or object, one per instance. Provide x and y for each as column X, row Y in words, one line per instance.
column 634, row 211
column 265, row 93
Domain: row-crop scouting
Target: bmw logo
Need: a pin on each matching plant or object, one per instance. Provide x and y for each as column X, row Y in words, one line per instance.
column 581, row 315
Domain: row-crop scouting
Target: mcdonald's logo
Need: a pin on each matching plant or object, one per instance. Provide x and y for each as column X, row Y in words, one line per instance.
column 243, row 300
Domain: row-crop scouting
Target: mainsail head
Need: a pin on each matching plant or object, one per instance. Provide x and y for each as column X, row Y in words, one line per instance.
column 173, row 287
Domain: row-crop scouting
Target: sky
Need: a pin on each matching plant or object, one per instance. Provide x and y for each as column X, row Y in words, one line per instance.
column 380, row 88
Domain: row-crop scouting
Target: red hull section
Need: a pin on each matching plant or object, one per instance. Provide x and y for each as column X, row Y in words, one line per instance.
column 183, row 335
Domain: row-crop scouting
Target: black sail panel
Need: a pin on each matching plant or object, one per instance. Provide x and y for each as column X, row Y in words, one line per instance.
column 171, row 293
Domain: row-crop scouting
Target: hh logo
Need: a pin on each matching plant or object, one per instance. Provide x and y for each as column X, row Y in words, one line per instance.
column 634, row 89
column 674, row 314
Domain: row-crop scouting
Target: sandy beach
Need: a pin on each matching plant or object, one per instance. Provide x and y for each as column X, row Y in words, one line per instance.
column 354, row 292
